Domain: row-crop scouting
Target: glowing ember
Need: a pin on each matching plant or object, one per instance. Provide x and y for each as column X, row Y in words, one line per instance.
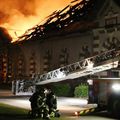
column 19, row 15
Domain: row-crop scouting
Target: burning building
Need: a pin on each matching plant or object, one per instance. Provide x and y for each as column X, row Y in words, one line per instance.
column 5, row 41
column 82, row 29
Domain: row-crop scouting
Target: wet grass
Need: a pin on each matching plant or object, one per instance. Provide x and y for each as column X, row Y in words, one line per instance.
column 8, row 112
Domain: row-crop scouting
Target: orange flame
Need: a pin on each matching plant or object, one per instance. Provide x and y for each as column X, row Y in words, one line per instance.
column 19, row 15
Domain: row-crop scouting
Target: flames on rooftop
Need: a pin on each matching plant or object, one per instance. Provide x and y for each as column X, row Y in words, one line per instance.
column 76, row 11
column 17, row 16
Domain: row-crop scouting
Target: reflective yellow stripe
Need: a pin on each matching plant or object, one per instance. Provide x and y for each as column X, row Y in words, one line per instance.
column 81, row 112
column 86, row 111
column 92, row 110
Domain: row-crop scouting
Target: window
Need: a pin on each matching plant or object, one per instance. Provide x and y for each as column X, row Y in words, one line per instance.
column 111, row 21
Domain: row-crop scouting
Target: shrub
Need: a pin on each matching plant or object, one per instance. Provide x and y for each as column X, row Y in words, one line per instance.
column 61, row 89
column 81, row 91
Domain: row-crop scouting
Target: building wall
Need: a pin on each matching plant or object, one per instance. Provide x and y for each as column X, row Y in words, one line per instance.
column 69, row 46
column 34, row 56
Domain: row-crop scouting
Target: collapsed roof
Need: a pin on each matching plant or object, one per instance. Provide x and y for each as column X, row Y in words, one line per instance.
column 73, row 17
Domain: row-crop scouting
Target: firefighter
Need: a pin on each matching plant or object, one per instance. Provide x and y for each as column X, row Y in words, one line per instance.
column 33, row 101
column 51, row 101
column 38, row 105
column 42, row 106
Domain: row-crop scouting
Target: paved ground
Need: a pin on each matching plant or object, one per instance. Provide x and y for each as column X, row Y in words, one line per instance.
column 67, row 106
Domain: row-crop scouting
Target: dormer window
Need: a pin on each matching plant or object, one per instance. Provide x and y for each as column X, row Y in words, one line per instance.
column 111, row 18
column 111, row 21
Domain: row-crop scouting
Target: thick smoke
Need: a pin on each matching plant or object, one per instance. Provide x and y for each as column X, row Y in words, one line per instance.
column 9, row 8
column 4, row 36
column 19, row 15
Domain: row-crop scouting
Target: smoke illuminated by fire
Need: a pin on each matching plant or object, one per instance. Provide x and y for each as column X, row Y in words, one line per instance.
column 19, row 15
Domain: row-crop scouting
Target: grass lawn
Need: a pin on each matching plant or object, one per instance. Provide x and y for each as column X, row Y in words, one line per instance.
column 8, row 112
